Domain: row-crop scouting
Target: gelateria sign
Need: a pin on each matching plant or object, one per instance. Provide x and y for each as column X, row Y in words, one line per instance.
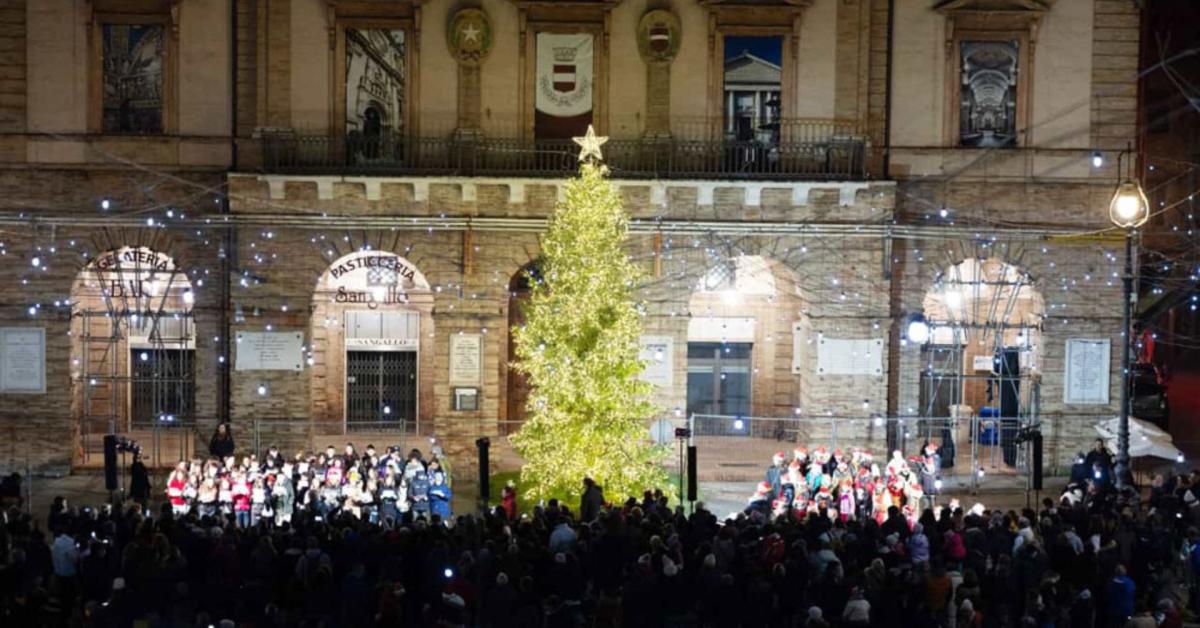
column 372, row 279
column 141, row 259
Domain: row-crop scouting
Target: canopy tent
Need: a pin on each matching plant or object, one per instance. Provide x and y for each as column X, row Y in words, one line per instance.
column 1146, row 440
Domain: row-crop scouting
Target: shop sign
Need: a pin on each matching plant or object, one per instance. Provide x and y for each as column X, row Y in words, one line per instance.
column 134, row 259
column 374, row 261
column 383, row 344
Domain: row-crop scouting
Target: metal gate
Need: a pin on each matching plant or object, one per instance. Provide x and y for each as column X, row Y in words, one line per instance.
column 381, row 387
column 161, row 385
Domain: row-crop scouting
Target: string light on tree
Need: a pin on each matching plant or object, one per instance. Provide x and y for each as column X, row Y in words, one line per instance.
column 579, row 350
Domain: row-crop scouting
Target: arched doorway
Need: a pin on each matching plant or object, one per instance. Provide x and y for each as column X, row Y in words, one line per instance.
column 371, row 353
column 742, row 313
column 520, row 287
column 133, row 343
column 981, row 360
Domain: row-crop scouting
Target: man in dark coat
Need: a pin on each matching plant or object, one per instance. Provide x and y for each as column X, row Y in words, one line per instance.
column 139, row 481
column 221, row 445
column 592, row 500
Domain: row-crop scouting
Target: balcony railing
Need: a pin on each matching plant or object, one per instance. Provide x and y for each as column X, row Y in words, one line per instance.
column 828, row 153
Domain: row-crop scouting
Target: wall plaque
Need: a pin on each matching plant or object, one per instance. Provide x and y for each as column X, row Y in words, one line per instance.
column 1085, row 381
column 658, row 355
column 23, row 359
column 466, row 359
column 270, row 351
column 840, row 356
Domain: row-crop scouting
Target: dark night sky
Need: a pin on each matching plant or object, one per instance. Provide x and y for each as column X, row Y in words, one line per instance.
column 765, row 48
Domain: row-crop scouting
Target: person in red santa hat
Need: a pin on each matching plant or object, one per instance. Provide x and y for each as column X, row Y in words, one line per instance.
column 880, row 497
column 761, row 500
column 800, row 456
column 846, row 501
column 913, row 496
column 837, row 462
column 825, row 496
column 895, row 489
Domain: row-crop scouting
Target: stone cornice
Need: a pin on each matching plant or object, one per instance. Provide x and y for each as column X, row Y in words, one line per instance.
column 658, row 189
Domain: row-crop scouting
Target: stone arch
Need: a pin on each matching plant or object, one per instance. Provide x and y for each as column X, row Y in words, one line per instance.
column 133, row 341
column 367, row 304
column 984, row 350
column 516, row 391
column 746, row 307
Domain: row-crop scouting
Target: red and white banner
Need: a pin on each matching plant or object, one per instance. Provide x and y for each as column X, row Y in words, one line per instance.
column 564, row 74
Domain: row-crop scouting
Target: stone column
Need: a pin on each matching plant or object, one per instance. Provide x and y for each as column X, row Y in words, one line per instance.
column 470, row 39
column 658, row 42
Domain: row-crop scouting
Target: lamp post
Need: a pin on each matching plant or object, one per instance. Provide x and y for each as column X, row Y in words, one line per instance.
column 1128, row 210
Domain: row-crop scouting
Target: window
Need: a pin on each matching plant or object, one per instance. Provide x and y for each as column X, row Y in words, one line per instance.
column 132, row 60
column 374, row 85
column 132, row 86
column 988, row 93
column 752, row 88
column 375, row 77
column 718, row 380
column 989, row 61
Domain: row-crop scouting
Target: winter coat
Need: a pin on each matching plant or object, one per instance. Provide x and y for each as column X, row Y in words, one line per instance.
column 221, row 447
column 918, row 545
column 953, row 546
column 1120, row 597
column 418, row 493
column 439, row 500
column 283, row 494
column 591, row 503
column 139, row 481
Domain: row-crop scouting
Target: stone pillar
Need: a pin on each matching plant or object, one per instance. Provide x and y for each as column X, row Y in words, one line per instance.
column 470, row 39
column 658, row 42
column 275, row 64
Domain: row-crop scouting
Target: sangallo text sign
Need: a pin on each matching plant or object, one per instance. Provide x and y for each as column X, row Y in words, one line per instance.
column 372, row 298
column 395, row 344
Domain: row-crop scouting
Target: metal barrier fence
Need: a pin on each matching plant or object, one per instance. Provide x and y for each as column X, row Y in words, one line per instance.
column 291, row 434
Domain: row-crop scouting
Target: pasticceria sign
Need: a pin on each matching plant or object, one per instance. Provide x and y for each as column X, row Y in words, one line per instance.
column 372, row 279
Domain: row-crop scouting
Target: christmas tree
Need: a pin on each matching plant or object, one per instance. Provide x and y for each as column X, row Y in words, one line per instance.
column 587, row 411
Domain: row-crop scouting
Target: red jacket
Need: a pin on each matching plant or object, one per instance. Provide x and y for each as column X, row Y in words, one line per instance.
column 241, row 496
column 175, row 491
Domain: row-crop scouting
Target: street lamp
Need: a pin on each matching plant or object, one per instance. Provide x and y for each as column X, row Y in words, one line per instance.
column 1128, row 210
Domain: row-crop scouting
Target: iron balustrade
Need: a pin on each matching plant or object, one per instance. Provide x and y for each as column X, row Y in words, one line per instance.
column 812, row 156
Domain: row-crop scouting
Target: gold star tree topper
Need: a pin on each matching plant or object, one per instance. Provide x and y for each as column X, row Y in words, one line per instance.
column 590, row 145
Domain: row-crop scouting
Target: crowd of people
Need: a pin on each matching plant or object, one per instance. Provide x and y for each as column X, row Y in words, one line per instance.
column 848, row 486
column 1108, row 559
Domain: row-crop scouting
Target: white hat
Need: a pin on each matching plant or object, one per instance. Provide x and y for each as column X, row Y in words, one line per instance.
column 814, row 612
column 118, row 584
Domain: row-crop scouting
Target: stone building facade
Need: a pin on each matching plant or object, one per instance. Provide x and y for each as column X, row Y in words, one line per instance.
column 394, row 249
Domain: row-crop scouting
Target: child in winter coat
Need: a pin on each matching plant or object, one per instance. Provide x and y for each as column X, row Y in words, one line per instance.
column 439, row 496
column 418, row 493
column 258, row 501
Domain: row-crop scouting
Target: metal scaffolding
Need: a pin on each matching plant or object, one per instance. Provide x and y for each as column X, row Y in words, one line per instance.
column 136, row 364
